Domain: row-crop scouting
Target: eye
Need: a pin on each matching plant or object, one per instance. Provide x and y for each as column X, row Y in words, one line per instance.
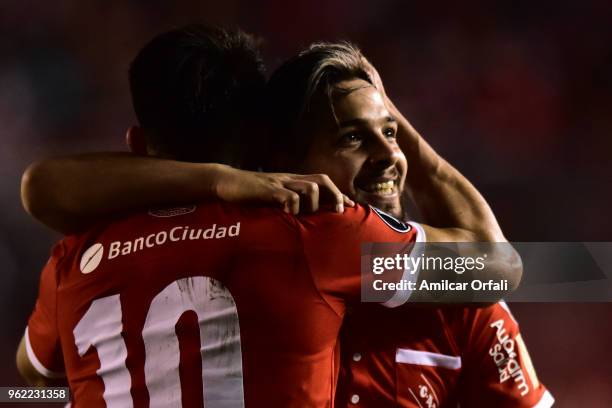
column 389, row 132
column 351, row 138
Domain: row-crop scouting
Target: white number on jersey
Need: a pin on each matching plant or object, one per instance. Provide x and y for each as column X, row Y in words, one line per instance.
column 220, row 347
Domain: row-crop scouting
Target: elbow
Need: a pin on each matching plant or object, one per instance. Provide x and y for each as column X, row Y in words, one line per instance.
column 507, row 261
column 515, row 269
column 509, row 264
column 32, row 185
column 42, row 197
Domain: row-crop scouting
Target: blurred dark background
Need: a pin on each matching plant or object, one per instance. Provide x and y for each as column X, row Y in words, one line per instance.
column 514, row 94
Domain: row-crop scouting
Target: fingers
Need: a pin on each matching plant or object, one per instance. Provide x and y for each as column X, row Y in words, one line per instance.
column 329, row 192
column 308, row 191
column 289, row 200
column 305, row 193
column 347, row 201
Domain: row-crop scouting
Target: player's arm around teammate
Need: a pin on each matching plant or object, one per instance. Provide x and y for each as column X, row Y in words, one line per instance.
column 60, row 190
column 69, row 193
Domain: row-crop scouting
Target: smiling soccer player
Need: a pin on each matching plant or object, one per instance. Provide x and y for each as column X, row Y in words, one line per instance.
column 370, row 146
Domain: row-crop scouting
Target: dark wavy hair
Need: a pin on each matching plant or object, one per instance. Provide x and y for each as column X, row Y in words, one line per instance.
column 193, row 86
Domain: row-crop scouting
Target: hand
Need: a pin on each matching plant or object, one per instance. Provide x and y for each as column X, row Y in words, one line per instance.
column 293, row 192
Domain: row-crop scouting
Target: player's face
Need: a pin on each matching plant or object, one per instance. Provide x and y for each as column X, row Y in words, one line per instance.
column 357, row 148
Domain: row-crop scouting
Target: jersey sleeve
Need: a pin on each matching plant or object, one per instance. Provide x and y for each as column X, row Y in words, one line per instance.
column 338, row 247
column 498, row 370
column 41, row 335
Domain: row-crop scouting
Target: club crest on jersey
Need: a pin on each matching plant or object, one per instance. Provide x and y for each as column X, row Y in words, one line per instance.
column 171, row 212
column 391, row 221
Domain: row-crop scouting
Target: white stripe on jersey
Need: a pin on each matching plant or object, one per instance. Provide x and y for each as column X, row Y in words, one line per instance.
column 427, row 358
column 546, row 401
column 42, row 370
column 505, row 306
column 402, row 296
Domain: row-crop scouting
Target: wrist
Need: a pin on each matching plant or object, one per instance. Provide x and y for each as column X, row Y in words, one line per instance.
column 223, row 181
column 209, row 180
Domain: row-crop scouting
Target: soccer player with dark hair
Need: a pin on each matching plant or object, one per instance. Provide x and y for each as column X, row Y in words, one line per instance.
column 214, row 304
column 289, row 338
column 192, row 85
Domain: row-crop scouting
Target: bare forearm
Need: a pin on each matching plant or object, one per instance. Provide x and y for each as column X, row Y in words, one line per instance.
column 69, row 194
column 443, row 195
column 456, row 211
column 65, row 193
column 452, row 207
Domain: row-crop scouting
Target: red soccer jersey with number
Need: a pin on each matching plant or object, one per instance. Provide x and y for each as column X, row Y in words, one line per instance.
column 437, row 357
column 216, row 305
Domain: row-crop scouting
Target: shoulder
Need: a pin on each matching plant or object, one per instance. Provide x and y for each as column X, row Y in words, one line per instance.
column 486, row 316
column 358, row 217
column 360, row 224
column 392, row 222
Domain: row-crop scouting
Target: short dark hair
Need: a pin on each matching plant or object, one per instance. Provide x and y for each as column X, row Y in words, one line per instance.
column 191, row 86
column 296, row 84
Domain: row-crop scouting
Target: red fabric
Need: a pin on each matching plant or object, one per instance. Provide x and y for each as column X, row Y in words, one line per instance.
column 290, row 278
column 42, row 325
column 458, row 332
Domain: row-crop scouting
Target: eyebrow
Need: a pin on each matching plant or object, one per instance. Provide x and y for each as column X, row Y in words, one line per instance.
column 360, row 121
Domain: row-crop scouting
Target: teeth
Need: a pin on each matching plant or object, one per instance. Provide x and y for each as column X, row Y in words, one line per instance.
column 385, row 185
column 384, row 188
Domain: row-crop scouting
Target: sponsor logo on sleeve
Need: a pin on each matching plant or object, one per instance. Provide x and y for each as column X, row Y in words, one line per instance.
column 507, row 354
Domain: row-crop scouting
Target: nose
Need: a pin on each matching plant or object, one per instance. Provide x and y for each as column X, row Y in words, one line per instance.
column 382, row 152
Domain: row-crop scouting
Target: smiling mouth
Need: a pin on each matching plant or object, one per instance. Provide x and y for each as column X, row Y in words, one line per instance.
column 381, row 189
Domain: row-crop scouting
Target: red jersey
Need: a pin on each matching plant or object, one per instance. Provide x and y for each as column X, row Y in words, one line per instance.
column 216, row 305
column 437, row 357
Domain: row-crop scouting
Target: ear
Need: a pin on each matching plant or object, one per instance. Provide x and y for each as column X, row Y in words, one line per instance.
column 136, row 140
